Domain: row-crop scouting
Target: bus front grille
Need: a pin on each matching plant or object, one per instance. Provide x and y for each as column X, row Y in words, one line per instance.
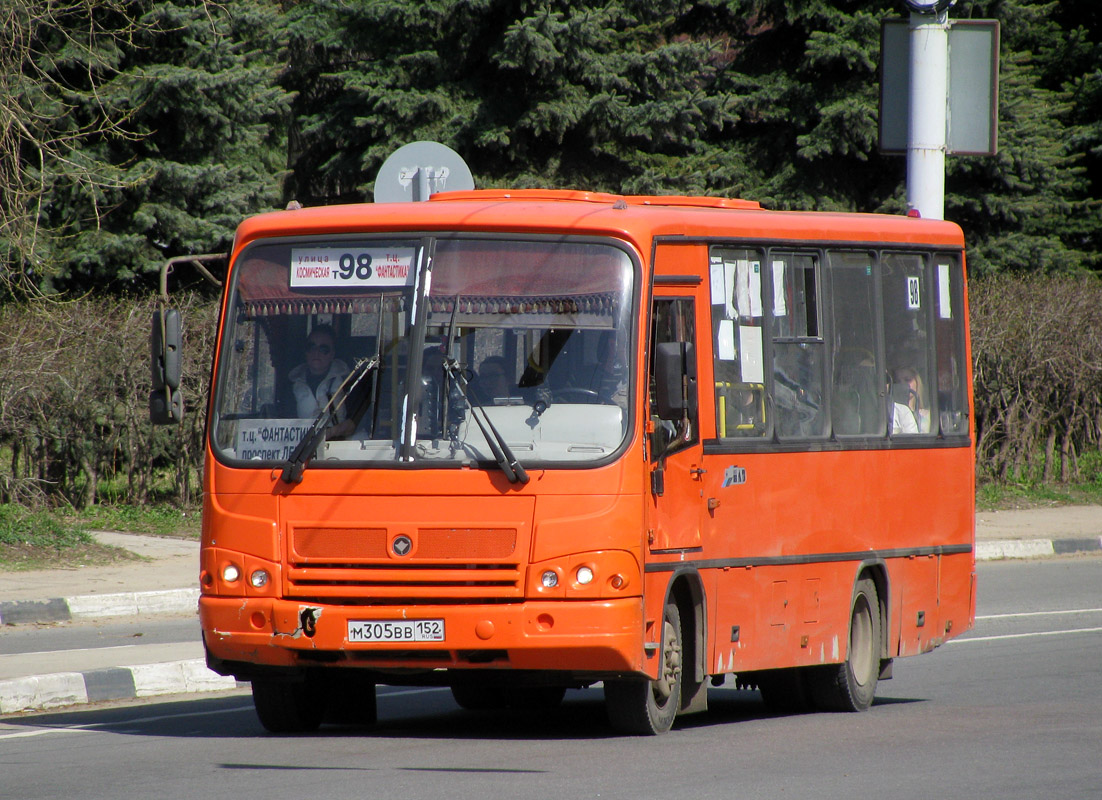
column 412, row 580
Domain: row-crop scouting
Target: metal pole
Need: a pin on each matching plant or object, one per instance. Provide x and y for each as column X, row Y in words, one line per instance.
column 421, row 185
column 929, row 35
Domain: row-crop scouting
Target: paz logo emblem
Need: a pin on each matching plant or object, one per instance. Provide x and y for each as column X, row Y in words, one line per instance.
column 401, row 545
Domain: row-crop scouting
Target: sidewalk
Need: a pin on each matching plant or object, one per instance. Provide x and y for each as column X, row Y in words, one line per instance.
column 165, row 582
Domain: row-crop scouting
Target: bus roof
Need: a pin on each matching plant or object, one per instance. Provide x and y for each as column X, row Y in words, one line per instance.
column 634, row 217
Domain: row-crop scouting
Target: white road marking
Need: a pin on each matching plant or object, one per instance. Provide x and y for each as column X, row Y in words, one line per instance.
column 1023, row 635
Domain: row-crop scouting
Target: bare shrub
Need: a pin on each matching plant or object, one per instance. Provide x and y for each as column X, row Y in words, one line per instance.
column 74, row 386
column 1037, row 353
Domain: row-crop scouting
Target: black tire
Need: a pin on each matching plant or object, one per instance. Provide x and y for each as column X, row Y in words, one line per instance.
column 646, row 707
column 289, row 706
column 784, row 691
column 851, row 685
column 350, row 698
column 478, row 697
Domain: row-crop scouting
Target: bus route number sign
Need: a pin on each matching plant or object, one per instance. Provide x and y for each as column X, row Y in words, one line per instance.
column 396, row 630
column 351, row 267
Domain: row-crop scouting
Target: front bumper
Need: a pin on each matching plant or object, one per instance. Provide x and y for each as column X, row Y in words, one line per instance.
column 577, row 637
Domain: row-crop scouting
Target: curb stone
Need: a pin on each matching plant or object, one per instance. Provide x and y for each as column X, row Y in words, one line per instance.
column 1036, row 548
column 40, row 692
column 95, row 606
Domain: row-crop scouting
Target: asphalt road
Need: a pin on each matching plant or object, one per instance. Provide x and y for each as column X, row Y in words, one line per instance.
column 1011, row 710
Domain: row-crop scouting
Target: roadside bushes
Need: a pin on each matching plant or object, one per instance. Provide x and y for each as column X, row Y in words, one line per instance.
column 74, row 386
column 1037, row 353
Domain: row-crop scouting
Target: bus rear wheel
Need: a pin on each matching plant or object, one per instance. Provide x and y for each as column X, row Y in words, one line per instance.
column 644, row 706
column 851, row 685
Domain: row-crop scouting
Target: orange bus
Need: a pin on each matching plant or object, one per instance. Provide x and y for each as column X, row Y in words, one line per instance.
column 515, row 442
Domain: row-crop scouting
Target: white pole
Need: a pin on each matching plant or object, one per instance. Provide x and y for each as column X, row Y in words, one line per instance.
column 929, row 35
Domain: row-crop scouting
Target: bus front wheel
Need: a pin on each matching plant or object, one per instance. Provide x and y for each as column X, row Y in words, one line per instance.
column 646, row 706
column 339, row 696
column 851, row 685
column 289, row 706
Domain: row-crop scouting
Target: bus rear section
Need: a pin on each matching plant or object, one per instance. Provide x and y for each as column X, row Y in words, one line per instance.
column 518, row 442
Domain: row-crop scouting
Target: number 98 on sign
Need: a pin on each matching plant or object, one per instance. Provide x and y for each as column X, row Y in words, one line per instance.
column 360, row 267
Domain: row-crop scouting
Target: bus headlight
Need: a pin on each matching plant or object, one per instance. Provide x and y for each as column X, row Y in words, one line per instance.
column 230, row 573
column 585, row 576
column 260, row 578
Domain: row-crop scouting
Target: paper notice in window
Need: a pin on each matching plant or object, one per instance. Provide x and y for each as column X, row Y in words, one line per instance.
column 725, row 340
column 716, row 276
column 944, row 297
column 750, row 349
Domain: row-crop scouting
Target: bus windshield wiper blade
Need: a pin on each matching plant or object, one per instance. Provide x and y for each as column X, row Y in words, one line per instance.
column 503, row 454
column 296, row 463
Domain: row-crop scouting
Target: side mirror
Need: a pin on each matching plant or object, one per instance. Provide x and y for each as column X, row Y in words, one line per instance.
column 166, row 404
column 675, row 380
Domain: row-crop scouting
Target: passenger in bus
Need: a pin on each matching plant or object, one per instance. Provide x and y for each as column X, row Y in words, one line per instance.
column 900, row 416
column 910, row 390
column 316, row 380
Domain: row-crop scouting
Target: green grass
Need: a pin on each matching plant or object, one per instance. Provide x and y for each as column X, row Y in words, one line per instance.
column 1002, row 496
column 45, row 539
column 162, row 520
column 35, row 539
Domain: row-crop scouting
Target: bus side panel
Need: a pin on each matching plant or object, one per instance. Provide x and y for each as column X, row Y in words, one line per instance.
column 769, row 617
column 913, row 616
column 797, row 531
column 957, row 596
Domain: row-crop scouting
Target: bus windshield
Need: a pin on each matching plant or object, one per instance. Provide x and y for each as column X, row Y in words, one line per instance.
column 462, row 344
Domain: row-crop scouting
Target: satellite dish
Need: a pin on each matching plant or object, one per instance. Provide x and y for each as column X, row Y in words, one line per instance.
column 419, row 169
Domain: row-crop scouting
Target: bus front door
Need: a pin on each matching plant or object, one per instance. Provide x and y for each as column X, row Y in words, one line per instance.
column 677, row 477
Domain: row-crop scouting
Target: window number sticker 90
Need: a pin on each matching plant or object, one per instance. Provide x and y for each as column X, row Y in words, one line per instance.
column 390, row 630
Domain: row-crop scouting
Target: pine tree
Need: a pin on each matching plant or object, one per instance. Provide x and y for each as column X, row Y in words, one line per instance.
column 605, row 96
column 206, row 144
column 59, row 54
column 1027, row 208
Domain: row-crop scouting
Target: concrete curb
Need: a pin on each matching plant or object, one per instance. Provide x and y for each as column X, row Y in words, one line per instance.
column 41, row 692
column 95, row 606
column 1035, row 548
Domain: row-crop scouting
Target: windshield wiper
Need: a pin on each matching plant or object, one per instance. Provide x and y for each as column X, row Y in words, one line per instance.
column 307, row 447
column 503, row 454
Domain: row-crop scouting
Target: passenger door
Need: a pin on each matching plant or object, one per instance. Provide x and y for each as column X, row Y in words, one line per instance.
column 676, row 454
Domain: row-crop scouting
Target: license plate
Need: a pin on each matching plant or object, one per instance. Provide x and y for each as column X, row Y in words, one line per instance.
column 392, row 630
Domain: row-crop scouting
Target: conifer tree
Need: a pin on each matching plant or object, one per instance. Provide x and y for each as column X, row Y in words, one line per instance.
column 605, row 96
column 199, row 144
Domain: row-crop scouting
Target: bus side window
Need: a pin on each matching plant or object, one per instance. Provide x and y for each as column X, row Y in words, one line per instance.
column 858, row 400
column 949, row 335
column 672, row 321
column 737, row 325
column 906, row 335
column 797, row 346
